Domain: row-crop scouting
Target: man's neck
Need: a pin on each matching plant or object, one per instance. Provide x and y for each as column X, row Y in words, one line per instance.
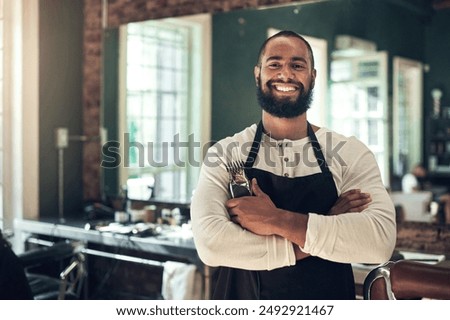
column 285, row 128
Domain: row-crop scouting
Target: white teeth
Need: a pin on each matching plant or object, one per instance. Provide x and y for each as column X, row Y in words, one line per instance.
column 285, row 89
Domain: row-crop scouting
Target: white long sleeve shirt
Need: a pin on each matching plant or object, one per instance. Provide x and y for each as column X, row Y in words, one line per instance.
column 364, row 237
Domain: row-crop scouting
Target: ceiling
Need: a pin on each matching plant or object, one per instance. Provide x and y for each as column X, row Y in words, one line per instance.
column 440, row 4
column 424, row 8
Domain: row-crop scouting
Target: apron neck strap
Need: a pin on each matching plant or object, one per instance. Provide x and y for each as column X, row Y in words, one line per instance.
column 317, row 149
column 312, row 138
column 255, row 146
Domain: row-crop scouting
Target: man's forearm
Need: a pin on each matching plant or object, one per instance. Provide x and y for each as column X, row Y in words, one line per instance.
column 291, row 225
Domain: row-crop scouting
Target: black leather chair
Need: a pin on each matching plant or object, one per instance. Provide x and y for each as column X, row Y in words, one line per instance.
column 13, row 281
column 70, row 281
column 20, row 280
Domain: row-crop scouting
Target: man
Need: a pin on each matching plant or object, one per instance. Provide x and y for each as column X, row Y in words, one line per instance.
column 318, row 201
column 416, row 180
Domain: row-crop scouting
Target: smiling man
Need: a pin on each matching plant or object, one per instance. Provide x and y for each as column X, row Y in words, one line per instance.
column 288, row 79
column 317, row 201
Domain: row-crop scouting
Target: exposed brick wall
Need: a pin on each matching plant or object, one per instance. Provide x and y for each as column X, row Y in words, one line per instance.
column 424, row 237
column 92, row 61
column 122, row 11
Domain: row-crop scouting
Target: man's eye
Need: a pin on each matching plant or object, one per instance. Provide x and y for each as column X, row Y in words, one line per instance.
column 274, row 65
column 298, row 66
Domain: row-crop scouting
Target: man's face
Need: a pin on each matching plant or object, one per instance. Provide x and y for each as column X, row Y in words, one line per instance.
column 285, row 77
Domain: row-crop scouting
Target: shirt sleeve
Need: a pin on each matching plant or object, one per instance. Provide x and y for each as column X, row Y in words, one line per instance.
column 363, row 237
column 219, row 241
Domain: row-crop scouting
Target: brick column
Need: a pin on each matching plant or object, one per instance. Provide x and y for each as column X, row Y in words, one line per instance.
column 92, row 61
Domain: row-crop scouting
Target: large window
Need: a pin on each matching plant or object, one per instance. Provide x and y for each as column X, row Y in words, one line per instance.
column 1, row 114
column 359, row 103
column 407, row 115
column 161, row 108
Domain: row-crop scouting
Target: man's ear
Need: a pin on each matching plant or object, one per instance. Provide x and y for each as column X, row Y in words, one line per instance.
column 313, row 78
column 257, row 73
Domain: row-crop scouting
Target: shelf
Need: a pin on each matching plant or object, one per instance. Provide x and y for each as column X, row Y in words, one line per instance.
column 442, row 170
column 440, row 138
column 439, row 174
column 443, row 120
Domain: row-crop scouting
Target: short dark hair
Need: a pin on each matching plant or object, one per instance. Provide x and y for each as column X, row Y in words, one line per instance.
column 285, row 33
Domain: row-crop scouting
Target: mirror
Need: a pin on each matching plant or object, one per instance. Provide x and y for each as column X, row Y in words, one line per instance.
column 158, row 118
column 235, row 39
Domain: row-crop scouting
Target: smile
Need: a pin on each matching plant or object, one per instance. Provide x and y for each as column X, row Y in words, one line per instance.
column 284, row 87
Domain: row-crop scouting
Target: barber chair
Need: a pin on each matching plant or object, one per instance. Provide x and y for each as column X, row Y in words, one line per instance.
column 406, row 279
column 66, row 258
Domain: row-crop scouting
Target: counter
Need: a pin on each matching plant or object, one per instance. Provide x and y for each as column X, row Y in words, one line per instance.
column 172, row 242
column 169, row 243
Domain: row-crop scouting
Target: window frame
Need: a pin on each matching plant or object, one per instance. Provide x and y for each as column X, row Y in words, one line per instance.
column 197, row 123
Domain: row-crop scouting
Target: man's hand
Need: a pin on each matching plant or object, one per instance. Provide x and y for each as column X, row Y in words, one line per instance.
column 254, row 213
column 259, row 215
column 351, row 201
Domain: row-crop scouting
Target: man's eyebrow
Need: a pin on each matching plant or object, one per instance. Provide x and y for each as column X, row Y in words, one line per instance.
column 302, row 59
column 296, row 58
column 274, row 58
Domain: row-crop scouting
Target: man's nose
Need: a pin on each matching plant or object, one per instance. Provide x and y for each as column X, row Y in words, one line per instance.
column 285, row 73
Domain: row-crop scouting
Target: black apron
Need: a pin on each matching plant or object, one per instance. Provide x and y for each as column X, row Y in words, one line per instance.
column 311, row 278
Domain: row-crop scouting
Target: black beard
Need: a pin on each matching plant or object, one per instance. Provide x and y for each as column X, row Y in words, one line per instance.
column 284, row 108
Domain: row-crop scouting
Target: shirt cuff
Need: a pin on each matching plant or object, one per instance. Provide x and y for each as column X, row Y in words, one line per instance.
column 280, row 253
column 319, row 231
